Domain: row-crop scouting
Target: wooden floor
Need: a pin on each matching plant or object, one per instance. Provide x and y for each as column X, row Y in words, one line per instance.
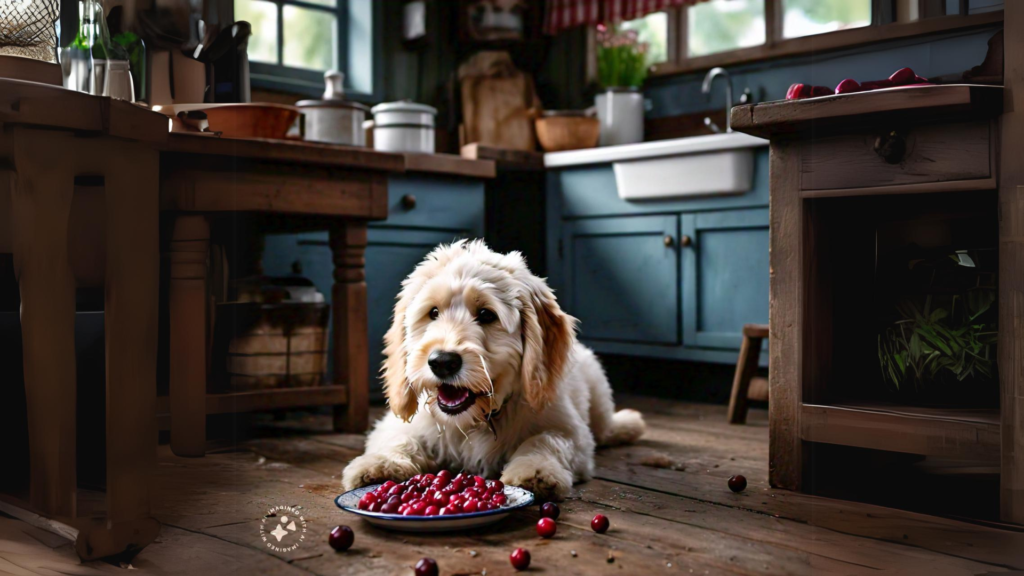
column 670, row 510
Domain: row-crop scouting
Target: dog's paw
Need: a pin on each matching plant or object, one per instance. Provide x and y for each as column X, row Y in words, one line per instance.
column 376, row 468
column 546, row 478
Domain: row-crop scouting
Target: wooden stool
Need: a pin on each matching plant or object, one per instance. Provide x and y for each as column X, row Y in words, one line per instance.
column 745, row 386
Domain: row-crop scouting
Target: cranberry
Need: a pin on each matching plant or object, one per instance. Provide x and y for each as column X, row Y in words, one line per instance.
column 469, row 506
column 484, row 506
column 341, row 538
column 397, row 490
column 375, row 507
column 500, row 499
column 498, row 485
column 367, row 499
column 426, row 567
column 480, row 482
column 446, row 474
column 440, row 499
column 408, row 497
column 432, row 511
column 387, row 485
column 520, row 558
column 391, row 508
column 454, row 508
column 550, row 510
column 599, row 524
column 737, row 483
column 546, row 527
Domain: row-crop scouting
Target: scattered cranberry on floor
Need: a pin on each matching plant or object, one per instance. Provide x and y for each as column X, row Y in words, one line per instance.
column 549, row 510
column 520, row 559
column 426, row 567
column 546, row 527
column 599, row 524
column 341, row 538
column 737, row 483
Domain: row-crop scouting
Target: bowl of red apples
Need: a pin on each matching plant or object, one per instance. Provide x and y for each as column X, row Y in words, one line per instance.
column 435, row 502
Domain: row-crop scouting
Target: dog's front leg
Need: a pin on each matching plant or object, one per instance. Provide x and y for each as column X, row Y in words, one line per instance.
column 392, row 453
column 541, row 464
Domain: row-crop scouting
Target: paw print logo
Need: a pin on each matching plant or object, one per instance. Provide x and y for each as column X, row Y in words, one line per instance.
column 283, row 529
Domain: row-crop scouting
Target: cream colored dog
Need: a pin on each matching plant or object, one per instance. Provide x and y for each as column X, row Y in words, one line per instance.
column 484, row 374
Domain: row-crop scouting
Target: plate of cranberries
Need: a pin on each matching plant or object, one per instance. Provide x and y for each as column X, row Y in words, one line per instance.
column 435, row 502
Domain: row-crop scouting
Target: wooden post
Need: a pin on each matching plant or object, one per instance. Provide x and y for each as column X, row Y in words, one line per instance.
column 785, row 313
column 746, row 367
column 351, row 350
column 41, row 209
column 189, row 257
column 1011, row 270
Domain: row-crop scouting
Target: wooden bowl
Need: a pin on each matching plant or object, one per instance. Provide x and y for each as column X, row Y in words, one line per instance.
column 255, row 120
column 558, row 133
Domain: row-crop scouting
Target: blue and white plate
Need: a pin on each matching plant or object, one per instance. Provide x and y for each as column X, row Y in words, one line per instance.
column 517, row 498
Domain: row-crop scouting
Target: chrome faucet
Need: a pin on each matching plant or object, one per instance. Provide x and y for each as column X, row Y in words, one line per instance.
column 706, row 88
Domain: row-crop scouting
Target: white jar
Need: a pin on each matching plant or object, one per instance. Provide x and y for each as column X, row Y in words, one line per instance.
column 403, row 127
column 621, row 113
column 334, row 120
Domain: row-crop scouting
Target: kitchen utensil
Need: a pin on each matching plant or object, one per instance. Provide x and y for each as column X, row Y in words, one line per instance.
column 227, row 60
column 404, row 126
column 560, row 130
column 251, row 120
column 517, row 498
column 334, row 120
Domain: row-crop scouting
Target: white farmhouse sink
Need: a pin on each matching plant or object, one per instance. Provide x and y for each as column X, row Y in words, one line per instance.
column 716, row 164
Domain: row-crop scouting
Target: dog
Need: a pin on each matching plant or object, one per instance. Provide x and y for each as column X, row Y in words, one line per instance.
column 483, row 373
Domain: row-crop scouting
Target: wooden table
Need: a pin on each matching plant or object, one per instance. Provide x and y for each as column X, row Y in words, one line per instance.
column 276, row 185
column 79, row 208
column 827, row 151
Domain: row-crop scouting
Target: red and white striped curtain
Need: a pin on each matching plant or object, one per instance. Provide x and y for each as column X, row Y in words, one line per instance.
column 564, row 14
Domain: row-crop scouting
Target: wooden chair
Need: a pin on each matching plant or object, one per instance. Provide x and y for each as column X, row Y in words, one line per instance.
column 746, row 386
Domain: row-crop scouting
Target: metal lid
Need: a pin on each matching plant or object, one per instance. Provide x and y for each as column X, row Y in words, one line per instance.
column 334, row 94
column 332, row 104
column 404, row 106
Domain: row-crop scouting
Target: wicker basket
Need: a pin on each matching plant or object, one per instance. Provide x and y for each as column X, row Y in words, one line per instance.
column 28, row 28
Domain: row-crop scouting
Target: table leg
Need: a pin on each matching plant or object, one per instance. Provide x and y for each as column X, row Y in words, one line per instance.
column 40, row 209
column 189, row 258
column 131, row 285
column 351, row 350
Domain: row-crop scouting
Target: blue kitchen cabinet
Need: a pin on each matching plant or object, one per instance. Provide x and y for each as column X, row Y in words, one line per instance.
column 725, row 276
column 423, row 211
column 622, row 278
column 673, row 278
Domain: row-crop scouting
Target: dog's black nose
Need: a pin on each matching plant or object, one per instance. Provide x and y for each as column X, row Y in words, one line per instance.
column 444, row 364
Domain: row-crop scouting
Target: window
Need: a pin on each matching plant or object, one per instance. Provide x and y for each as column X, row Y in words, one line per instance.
column 294, row 42
column 652, row 29
column 699, row 36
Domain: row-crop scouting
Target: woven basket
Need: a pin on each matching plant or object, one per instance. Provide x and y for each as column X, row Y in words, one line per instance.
column 28, row 28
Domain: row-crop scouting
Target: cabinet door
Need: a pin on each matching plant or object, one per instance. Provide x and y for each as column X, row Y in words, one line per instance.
column 622, row 278
column 725, row 276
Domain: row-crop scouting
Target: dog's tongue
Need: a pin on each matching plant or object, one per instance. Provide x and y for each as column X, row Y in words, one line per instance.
column 452, row 395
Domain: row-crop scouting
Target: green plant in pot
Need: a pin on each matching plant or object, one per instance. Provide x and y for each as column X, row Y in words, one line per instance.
column 942, row 345
column 621, row 70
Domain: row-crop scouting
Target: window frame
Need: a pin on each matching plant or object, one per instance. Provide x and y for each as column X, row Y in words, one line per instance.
column 303, row 81
column 882, row 27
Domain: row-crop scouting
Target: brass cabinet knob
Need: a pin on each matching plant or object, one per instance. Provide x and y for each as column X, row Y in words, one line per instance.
column 408, row 201
column 685, row 240
column 669, row 240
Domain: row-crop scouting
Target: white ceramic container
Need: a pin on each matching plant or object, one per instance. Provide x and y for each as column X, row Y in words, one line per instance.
column 403, row 127
column 334, row 120
column 621, row 113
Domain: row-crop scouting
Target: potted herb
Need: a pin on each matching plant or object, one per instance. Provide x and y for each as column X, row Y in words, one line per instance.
column 621, row 69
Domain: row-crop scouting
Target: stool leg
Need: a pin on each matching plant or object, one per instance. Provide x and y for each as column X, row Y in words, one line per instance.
column 746, row 366
column 41, row 208
column 188, row 333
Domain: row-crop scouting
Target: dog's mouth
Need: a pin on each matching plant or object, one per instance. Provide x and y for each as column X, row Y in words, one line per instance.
column 454, row 400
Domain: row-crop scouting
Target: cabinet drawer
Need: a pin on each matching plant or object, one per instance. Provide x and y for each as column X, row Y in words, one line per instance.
column 444, row 204
column 925, row 154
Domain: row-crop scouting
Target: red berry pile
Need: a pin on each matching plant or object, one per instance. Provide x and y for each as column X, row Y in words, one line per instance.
column 438, row 494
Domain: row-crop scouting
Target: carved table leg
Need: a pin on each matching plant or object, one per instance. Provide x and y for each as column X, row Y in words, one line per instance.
column 351, row 351
column 189, row 263
column 40, row 209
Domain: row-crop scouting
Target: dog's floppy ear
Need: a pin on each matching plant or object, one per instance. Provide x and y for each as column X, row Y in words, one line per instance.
column 548, row 337
column 399, row 393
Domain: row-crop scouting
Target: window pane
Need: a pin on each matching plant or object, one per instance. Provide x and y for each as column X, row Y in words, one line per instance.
column 331, row 3
column 263, row 17
column 309, row 38
column 722, row 25
column 652, row 29
column 807, row 17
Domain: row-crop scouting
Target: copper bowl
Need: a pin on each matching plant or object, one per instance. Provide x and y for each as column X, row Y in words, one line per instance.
column 558, row 131
column 251, row 120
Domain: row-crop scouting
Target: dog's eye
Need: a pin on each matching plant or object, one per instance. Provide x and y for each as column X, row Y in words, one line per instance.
column 434, row 313
column 485, row 316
